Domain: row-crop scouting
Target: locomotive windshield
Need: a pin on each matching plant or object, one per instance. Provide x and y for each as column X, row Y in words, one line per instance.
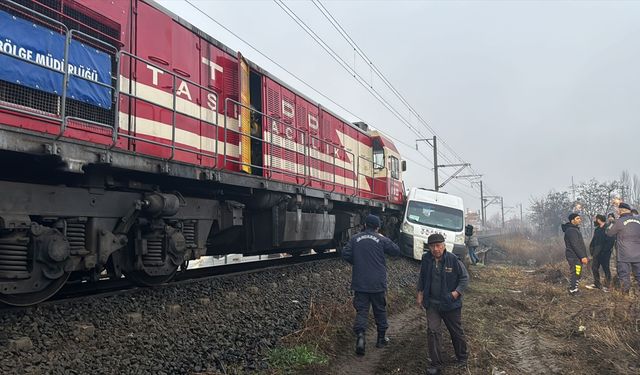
column 435, row 216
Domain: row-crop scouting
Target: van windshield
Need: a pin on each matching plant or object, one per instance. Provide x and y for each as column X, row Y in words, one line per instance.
column 436, row 216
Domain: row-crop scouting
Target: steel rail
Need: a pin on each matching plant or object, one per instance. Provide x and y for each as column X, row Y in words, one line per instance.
column 79, row 291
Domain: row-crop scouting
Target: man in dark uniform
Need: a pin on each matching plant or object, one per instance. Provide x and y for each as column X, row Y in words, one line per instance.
column 627, row 232
column 365, row 251
column 442, row 282
column 575, row 250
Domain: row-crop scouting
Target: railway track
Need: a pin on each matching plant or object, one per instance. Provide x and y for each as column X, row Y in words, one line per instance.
column 108, row 287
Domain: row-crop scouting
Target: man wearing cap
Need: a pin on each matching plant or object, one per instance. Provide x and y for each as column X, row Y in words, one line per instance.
column 575, row 250
column 626, row 229
column 365, row 251
column 443, row 279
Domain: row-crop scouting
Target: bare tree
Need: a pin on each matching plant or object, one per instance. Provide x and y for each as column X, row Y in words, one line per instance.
column 494, row 221
column 548, row 213
column 635, row 191
column 625, row 185
column 594, row 198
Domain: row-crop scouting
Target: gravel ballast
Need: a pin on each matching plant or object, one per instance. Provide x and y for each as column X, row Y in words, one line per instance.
column 226, row 322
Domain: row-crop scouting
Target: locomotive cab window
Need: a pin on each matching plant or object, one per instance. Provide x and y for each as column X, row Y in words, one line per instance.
column 378, row 159
column 394, row 166
column 378, row 155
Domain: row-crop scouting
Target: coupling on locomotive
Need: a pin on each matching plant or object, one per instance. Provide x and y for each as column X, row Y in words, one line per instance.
column 132, row 142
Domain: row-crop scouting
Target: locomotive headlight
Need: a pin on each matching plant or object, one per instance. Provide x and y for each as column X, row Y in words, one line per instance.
column 407, row 228
column 459, row 239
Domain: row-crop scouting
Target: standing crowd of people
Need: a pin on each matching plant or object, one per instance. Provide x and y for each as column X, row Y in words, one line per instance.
column 619, row 231
column 443, row 277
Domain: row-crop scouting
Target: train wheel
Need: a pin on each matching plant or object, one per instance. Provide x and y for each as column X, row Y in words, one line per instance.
column 156, row 259
column 32, row 298
column 34, row 264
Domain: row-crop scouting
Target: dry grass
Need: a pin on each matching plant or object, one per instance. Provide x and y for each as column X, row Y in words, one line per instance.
column 603, row 325
column 522, row 250
column 328, row 327
column 613, row 339
column 508, row 304
column 323, row 324
column 517, row 319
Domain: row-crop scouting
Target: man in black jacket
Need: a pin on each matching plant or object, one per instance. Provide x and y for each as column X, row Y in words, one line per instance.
column 601, row 247
column 365, row 251
column 575, row 252
column 442, row 282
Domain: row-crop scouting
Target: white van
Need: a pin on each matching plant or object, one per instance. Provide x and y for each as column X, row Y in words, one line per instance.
column 429, row 212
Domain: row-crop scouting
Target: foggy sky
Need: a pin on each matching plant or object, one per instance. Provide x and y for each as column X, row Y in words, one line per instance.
column 530, row 93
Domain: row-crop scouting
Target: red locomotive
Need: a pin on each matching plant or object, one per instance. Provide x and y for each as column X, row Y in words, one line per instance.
column 132, row 142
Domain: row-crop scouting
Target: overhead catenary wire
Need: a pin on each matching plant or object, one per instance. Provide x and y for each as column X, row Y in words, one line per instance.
column 302, row 81
column 334, row 22
column 288, row 71
column 379, row 73
column 355, row 74
column 271, row 60
column 351, row 71
column 345, row 65
column 298, row 78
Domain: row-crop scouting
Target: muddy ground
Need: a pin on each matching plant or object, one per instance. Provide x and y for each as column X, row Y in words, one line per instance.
column 518, row 320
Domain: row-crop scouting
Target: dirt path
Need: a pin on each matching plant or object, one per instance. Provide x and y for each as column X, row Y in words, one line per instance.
column 517, row 322
column 401, row 326
column 533, row 353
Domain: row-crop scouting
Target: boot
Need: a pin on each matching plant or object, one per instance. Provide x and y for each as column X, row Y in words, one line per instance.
column 382, row 340
column 360, row 342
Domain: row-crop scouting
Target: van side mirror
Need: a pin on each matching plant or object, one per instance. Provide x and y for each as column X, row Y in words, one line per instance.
column 404, row 165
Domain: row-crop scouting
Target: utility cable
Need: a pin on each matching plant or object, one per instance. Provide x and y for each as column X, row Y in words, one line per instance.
column 379, row 73
column 410, row 147
column 286, row 70
column 345, row 65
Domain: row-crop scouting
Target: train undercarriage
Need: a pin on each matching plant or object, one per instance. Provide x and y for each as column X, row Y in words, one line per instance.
column 56, row 224
column 129, row 174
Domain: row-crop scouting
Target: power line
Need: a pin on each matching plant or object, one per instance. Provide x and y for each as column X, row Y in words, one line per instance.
column 325, row 12
column 302, row 80
column 409, row 147
column 273, row 61
column 379, row 73
column 359, row 51
column 345, row 65
column 285, row 69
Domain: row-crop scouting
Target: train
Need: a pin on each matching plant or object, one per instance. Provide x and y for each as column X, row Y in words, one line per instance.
column 132, row 142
